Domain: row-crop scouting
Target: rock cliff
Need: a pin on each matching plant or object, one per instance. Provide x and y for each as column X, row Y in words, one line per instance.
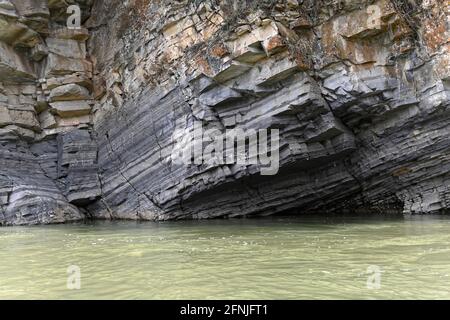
column 90, row 117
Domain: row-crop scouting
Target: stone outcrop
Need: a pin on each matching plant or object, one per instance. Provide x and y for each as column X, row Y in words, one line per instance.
column 90, row 117
column 48, row 157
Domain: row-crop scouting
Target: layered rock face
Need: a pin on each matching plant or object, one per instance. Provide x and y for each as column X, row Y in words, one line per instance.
column 358, row 91
column 47, row 156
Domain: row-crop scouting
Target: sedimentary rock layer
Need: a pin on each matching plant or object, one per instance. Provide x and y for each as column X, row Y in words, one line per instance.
column 358, row 91
column 48, row 158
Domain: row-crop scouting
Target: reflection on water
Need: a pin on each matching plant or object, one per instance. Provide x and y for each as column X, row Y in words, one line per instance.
column 318, row 257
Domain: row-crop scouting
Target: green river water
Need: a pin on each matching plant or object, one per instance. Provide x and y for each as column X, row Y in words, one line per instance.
column 305, row 257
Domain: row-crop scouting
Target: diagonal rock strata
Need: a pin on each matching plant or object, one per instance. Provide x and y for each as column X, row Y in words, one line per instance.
column 358, row 91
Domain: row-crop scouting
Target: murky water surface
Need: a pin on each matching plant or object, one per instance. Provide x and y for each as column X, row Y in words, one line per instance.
column 312, row 257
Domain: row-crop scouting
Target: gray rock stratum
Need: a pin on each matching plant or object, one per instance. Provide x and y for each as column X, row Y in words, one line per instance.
column 90, row 117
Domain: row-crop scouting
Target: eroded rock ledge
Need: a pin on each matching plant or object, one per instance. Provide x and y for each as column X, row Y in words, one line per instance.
column 89, row 117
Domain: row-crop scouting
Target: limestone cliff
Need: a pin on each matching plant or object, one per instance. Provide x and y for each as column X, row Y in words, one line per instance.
column 90, row 117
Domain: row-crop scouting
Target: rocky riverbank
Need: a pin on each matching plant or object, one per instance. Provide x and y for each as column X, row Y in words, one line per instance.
column 89, row 117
